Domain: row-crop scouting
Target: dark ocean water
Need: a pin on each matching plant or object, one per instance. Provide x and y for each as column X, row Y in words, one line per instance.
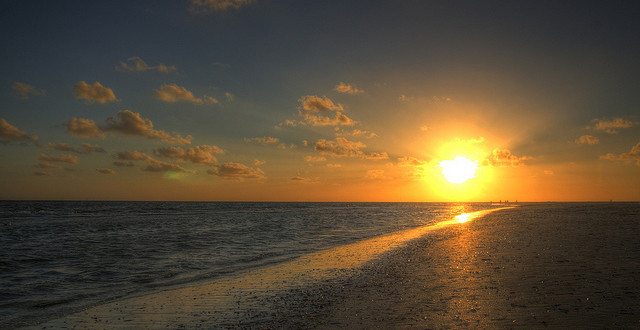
column 58, row 257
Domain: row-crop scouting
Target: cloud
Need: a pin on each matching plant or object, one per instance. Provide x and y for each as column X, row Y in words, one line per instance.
column 613, row 126
column 207, row 6
column 84, row 148
column 375, row 175
column 236, row 171
column 633, row 155
column 263, row 140
column 504, row 158
column 136, row 64
column 334, row 165
column 410, row 161
column 23, row 90
column 131, row 124
column 318, row 104
column 172, row 93
column 257, row 162
column 41, row 173
column 9, row 132
column 127, row 123
column 315, row 111
column 64, row 158
column 46, row 165
column 425, row 128
column 230, row 97
column 301, row 179
column 405, row 98
column 355, row 132
column 126, row 158
column 105, row 171
column 93, row 93
column 548, row 172
column 341, row 147
column 198, row 155
column 347, row 89
column 587, row 139
column 313, row 159
column 84, row 128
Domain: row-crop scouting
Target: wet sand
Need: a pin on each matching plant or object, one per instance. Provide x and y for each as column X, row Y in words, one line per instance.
column 512, row 268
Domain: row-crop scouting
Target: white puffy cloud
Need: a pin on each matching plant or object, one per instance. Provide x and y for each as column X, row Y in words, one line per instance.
column 23, row 90
column 93, row 93
column 136, row 64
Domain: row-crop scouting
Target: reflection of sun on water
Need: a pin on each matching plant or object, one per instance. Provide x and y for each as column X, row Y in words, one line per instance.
column 464, row 217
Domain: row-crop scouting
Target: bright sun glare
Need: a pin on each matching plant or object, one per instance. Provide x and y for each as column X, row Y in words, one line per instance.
column 458, row 170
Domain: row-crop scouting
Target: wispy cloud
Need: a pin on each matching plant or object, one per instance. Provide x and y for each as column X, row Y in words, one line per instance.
column 105, row 171
column 93, row 93
column 84, row 148
column 633, row 155
column 136, row 64
column 587, row 139
column 126, row 123
column 341, row 147
column 301, row 179
column 613, row 126
column 125, row 158
column 262, row 140
column 9, row 132
column 172, row 93
column 64, row 158
column 198, row 155
column 236, row 171
column 375, row 175
column 345, row 88
column 207, row 6
column 23, row 90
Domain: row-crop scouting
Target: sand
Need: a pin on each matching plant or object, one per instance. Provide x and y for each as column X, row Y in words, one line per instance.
column 511, row 268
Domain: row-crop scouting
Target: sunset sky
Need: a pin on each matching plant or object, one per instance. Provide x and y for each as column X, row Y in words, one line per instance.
column 319, row 100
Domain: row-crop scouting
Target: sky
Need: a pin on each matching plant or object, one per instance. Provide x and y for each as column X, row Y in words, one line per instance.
column 295, row 100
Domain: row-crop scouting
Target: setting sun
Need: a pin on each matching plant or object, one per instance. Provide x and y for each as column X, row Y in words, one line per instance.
column 458, row 170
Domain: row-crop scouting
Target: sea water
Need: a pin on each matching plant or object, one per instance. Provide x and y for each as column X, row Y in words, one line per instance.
column 58, row 257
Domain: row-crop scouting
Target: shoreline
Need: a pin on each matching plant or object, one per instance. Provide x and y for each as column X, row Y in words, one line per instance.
column 532, row 267
column 178, row 306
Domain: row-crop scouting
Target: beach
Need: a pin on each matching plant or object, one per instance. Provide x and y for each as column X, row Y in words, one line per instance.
column 533, row 266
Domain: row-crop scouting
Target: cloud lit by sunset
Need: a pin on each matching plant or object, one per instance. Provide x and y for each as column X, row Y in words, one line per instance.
column 358, row 101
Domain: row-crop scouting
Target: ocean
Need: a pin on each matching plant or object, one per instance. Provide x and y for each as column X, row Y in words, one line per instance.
column 60, row 257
